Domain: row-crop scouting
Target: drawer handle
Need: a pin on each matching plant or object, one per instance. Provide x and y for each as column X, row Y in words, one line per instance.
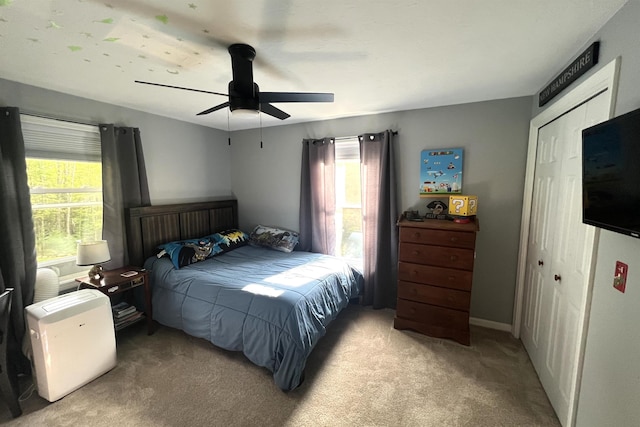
column 452, row 278
column 416, row 235
column 415, row 252
column 454, row 258
column 454, row 239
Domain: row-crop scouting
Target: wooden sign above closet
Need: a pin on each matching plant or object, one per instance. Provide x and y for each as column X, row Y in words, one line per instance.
column 578, row 67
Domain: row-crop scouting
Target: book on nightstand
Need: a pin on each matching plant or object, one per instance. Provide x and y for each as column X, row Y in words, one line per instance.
column 128, row 320
column 125, row 314
column 122, row 309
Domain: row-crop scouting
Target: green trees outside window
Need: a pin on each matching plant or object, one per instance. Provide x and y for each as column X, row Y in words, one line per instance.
column 66, row 199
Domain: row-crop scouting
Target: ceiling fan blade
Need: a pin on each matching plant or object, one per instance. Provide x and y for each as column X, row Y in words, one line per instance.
column 212, row 109
column 273, row 111
column 295, row 97
column 180, row 87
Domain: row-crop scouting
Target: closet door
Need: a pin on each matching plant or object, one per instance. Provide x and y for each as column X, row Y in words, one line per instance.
column 541, row 237
column 560, row 257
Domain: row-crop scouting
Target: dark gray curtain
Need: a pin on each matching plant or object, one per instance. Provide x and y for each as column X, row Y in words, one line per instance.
column 379, row 216
column 18, row 262
column 124, row 185
column 317, row 196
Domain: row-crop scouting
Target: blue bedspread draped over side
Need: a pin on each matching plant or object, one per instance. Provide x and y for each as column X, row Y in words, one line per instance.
column 272, row 306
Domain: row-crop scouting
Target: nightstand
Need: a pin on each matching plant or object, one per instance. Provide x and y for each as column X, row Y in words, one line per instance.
column 114, row 283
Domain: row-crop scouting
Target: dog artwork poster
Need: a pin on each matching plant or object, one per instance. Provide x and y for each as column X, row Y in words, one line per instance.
column 441, row 171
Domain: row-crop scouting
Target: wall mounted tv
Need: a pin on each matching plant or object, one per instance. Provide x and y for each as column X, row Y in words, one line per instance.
column 611, row 174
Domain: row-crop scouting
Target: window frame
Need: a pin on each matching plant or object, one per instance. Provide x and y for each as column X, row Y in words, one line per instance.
column 61, row 140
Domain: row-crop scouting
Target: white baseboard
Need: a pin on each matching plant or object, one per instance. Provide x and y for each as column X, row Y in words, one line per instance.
column 490, row 324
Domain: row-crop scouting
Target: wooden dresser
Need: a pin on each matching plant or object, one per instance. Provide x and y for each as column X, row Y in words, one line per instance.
column 435, row 272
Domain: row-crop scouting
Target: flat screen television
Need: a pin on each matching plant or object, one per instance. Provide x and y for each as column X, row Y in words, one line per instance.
column 611, row 174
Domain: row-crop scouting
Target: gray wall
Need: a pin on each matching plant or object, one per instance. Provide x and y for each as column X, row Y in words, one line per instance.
column 185, row 162
column 610, row 386
column 493, row 135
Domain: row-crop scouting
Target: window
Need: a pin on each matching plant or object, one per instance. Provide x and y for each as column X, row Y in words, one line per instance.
column 348, row 200
column 64, row 172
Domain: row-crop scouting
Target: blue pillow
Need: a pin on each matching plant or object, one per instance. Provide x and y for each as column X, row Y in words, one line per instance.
column 186, row 252
column 229, row 240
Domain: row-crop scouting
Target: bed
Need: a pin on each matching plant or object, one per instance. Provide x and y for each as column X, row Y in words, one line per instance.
column 273, row 306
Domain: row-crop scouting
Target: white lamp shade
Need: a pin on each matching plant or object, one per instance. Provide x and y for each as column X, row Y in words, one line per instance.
column 91, row 253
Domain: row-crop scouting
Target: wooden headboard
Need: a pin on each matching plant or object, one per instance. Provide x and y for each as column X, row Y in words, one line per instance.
column 149, row 226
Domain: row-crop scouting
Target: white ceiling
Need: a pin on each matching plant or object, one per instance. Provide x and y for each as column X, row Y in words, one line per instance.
column 375, row 55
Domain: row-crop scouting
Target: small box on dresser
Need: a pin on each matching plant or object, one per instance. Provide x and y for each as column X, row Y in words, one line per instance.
column 435, row 274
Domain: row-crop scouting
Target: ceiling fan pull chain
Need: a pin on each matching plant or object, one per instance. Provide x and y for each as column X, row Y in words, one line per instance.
column 228, row 128
column 260, row 130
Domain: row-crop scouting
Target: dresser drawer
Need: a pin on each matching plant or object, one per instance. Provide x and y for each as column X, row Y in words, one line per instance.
column 434, row 295
column 432, row 315
column 436, row 276
column 438, row 256
column 455, row 239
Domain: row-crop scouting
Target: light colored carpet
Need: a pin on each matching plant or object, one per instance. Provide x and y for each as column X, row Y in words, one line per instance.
column 362, row 373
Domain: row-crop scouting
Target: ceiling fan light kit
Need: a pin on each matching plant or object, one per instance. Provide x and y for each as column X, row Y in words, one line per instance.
column 244, row 94
column 243, row 112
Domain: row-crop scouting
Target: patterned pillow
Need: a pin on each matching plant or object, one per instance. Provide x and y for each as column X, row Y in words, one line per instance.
column 186, row 252
column 274, row 238
column 229, row 239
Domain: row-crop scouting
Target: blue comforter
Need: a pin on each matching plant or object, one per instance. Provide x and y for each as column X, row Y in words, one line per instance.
column 272, row 306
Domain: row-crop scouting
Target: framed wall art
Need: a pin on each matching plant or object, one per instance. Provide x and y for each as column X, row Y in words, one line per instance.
column 441, row 172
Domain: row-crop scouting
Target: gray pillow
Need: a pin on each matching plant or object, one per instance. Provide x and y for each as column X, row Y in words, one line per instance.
column 273, row 238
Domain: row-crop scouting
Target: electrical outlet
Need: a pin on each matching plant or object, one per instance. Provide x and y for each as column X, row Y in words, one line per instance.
column 620, row 276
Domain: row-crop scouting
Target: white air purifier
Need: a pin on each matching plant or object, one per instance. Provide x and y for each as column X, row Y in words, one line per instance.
column 73, row 341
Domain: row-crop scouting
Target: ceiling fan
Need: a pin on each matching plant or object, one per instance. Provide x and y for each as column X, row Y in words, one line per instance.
column 244, row 94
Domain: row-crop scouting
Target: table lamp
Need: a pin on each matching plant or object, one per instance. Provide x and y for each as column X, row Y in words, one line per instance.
column 93, row 253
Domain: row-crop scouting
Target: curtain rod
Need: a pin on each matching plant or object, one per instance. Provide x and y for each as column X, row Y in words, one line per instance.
column 43, row 116
column 340, row 138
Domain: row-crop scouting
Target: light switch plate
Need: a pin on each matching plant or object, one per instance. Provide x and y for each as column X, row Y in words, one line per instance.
column 620, row 276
